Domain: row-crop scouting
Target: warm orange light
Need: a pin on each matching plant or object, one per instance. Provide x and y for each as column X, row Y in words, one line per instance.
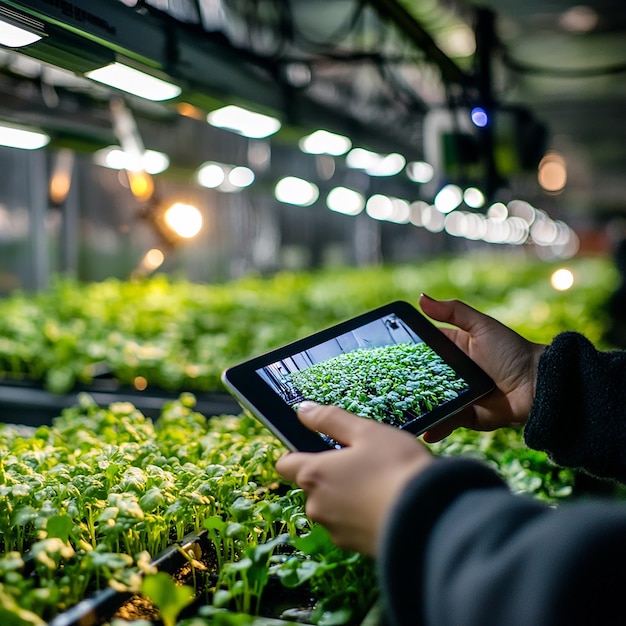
column 552, row 173
column 184, row 220
column 60, row 184
column 61, row 178
column 189, row 110
column 562, row 279
column 152, row 260
column 141, row 184
column 140, row 383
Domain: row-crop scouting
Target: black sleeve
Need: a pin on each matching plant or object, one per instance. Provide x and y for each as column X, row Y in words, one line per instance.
column 579, row 412
column 461, row 550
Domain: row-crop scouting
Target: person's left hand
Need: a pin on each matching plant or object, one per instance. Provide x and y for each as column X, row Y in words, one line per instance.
column 352, row 490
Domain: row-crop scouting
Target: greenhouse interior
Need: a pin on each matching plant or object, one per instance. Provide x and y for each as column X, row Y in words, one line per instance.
column 188, row 184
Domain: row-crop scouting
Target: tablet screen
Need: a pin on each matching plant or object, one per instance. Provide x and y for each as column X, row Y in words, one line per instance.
column 391, row 365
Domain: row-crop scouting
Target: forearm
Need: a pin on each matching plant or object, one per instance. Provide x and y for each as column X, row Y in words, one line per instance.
column 579, row 412
column 485, row 556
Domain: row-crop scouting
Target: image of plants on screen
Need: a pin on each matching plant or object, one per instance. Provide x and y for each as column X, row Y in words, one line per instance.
column 392, row 384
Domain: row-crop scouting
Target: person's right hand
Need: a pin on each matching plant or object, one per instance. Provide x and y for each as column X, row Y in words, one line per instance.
column 506, row 356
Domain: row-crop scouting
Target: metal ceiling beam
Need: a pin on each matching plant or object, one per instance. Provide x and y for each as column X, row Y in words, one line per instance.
column 85, row 34
column 451, row 73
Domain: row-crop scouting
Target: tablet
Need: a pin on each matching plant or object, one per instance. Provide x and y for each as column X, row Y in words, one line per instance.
column 390, row 364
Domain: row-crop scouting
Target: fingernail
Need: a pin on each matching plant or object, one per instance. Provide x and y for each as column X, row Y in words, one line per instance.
column 307, row 405
column 425, row 295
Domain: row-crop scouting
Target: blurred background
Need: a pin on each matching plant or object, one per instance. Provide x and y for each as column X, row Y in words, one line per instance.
column 296, row 134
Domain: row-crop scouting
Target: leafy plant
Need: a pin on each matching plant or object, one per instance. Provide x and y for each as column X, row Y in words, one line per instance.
column 169, row 597
column 88, row 503
column 394, row 383
column 178, row 335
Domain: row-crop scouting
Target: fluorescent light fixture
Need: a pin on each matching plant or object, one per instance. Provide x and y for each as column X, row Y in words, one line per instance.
column 448, row 198
column 241, row 176
column 420, row 171
column 114, row 157
column 381, row 207
column 211, row 175
column 298, row 191
column 360, row 158
column 224, row 177
column 15, row 137
column 244, row 122
column 13, row 36
column 375, row 164
column 346, row 201
column 474, row 197
column 135, row 82
column 325, row 142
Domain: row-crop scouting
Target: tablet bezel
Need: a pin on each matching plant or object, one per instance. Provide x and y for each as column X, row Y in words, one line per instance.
column 258, row 398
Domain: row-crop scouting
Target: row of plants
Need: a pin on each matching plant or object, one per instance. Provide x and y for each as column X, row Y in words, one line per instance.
column 392, row 384
column 176, row 335
column 89, row 502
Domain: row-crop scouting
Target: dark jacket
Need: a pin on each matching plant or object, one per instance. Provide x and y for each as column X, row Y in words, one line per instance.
column 461, row 550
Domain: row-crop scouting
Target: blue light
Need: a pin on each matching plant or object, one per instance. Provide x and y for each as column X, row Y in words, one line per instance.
column 479, row 117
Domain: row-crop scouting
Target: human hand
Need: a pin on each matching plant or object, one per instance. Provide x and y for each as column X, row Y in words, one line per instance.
column 352, row 490
column 506, row 356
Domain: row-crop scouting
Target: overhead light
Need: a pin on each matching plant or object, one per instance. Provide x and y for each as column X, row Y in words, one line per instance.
column 185, row 220
column 325, row 142
column 25, row 139
column 552, row 174
column 151, row 261
column 16, row 37
column 114, row 157
column 244, row 122
column 18, row 29
column 375, row 164
column 211, row 175
column 61, row 176
column 241, row 177
column 224, row 177
column 448, row 198
column 474, row 197
column 420, row 171
column 381, row 207
column 135, row 82
column 344, row 200
column 293, row 190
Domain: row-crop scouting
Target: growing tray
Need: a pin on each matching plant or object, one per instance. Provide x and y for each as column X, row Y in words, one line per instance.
column 27, row 402
column 109, row 603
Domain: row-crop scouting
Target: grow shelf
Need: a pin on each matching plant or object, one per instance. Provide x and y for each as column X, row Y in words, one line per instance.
column 104, row 604
column 109, row 604
column 27, row 402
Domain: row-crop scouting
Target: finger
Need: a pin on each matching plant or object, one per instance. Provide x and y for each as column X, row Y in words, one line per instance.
column 290, row 463
column 452, row 312
column 332, row 421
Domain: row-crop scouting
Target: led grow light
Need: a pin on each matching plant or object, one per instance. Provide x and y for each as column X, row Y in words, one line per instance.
column 15, row 137
column 325, row 142
column 293, row 190
column 13, row 36
column 134, row 82
column 114, row 157
column 244, row 122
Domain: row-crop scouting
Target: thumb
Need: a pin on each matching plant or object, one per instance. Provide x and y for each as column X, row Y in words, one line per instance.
column 453, row 312
column 332, row 421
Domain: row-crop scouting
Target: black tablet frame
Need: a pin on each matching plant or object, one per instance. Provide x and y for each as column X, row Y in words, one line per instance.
column 259, row 399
